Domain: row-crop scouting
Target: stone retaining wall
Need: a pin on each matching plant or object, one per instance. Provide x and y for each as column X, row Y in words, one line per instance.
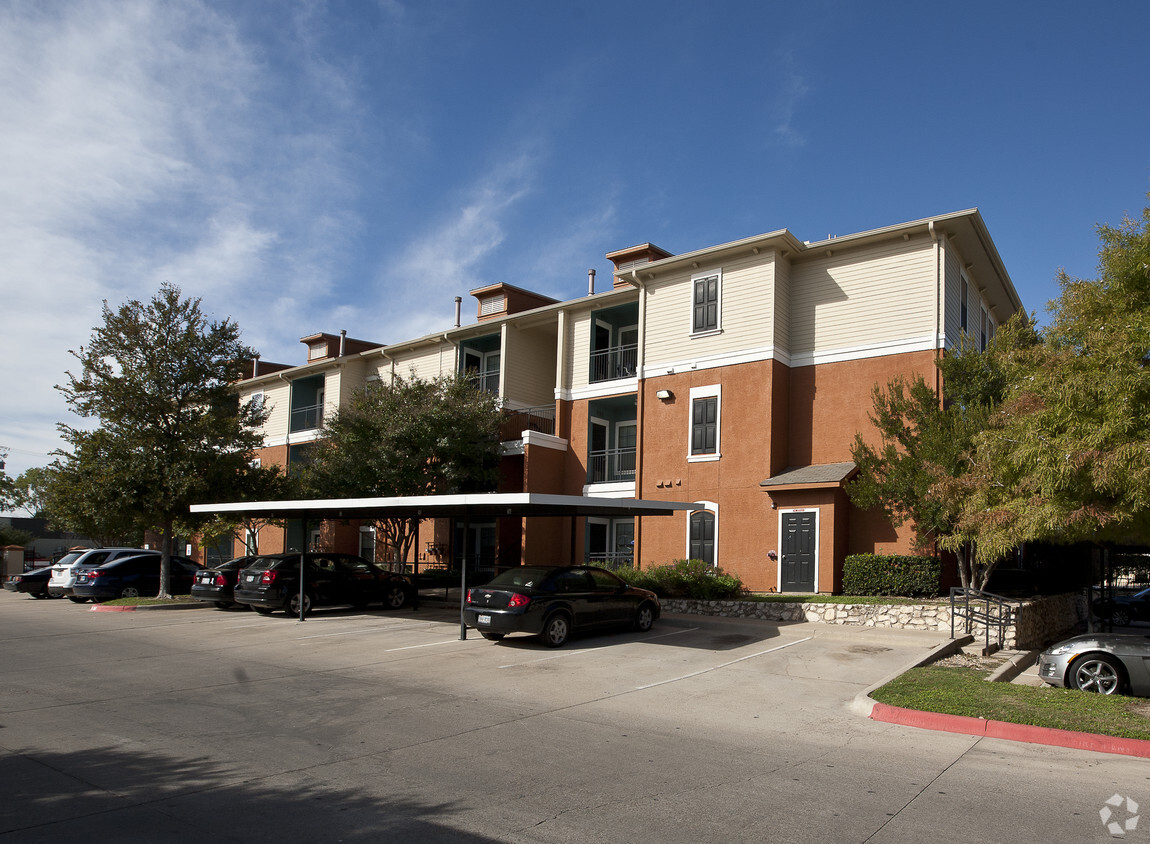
column 1037, row 622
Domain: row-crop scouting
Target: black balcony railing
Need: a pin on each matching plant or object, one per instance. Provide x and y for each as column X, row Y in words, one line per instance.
column 615, row 362
column 515, row 422
column 611, row 559
column 611, row 466
column 306, row 418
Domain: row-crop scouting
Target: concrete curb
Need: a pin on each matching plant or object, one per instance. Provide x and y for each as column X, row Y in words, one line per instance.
column 1013, row 667
column 174, row 606
column 1011, row 732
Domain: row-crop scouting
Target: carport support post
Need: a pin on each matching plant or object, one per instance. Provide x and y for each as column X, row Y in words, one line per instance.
column 463, row 581
column 302, row 552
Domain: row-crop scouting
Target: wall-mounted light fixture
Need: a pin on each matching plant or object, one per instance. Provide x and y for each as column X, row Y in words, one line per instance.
column 664, row 394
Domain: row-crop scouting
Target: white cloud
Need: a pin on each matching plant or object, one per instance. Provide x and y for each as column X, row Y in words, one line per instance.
column 145, row 141
column 793, row 90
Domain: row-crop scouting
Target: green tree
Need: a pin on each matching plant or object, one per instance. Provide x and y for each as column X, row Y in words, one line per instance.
column 9, row 491
column 1067, row 456
column 409, row 437
column 157, row 376
column 32, row 490
column 913, row 473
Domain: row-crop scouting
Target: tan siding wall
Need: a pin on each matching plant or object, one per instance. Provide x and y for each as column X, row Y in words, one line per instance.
column 277, row 399
column 425, row 362
column 857, row 298
column 783, row 274
column 530, row 367
column 579, row 349
column 952, row 326
column 747, row 313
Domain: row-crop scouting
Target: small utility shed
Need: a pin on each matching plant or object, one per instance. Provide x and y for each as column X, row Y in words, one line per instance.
column 476, row 505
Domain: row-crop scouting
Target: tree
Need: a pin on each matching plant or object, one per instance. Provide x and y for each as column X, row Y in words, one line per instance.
column 171, row 432
column 32, row 490
column 925, row 446
column 1066, row 457
column 9, row 491
column 409, row 437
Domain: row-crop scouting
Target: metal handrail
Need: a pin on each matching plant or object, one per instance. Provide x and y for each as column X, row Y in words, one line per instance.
column 614, row 362
column 973, row 605
column 611, row 465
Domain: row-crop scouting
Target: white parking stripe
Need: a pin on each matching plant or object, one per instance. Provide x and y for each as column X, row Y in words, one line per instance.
column 723, row 665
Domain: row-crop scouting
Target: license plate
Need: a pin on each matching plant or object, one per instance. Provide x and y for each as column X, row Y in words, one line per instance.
column 483, row 619
column 249, row 578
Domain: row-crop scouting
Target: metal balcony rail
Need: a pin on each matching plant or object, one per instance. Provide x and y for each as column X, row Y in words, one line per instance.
column 615, row 362
column 487, row 382
column 515, row 422
column 306, row 418
column 976, row 607
column 611, row 465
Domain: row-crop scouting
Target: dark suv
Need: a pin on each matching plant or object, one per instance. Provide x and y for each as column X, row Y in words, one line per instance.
column 272, row 583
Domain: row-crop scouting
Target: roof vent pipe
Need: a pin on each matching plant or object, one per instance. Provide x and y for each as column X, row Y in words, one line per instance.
column 342, row 339
column 458, row 310
column 591, row 282
column 256, row 367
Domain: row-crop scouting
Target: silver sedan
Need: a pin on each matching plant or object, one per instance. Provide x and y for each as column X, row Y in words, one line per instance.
column 1106, row 663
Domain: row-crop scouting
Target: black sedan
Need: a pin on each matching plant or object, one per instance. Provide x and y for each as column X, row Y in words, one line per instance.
column 1123, row 609
column 134, row 577
column 554, row 602
column 272, row 583
column 218, row 584
column 34, row 583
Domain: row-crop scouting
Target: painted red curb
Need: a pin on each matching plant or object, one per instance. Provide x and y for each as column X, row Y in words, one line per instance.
column 1012, row 732
column 99, row 608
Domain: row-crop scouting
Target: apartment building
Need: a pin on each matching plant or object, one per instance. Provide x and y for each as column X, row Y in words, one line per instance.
column 734, row 376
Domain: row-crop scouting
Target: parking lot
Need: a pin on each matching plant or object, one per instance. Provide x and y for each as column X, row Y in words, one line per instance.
column 188, row 724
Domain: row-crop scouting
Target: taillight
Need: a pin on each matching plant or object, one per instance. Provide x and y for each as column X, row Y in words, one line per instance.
column 268, row 578
column 518, row 601
column 469, row 596
column 96, row 573
column 221, row 580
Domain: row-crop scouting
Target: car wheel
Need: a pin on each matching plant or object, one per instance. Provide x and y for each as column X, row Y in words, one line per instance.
column 1097, row 673
column 129, row 592
column 556, row 630
column 291, row 606
column 395, row 597
column 1120, row 617
column 74, row 599
column 644, row 618
column 494, row 637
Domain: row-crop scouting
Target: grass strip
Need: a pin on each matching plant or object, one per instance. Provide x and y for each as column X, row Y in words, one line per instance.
column 965, row 691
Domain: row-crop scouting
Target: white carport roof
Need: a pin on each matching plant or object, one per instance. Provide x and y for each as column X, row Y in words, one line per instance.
column 488, row 504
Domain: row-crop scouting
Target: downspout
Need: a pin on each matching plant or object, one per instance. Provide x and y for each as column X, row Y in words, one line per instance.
column 938, row 299
column 287, row 434
column 640, row 410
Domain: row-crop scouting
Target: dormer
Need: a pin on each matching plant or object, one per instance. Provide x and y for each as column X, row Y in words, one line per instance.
column 325, row 346
column 634, row 256
column 500, row 300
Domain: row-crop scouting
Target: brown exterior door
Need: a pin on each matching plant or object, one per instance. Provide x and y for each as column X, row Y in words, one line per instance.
column 798, row 560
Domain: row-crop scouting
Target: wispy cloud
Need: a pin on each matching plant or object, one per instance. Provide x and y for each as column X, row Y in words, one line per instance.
column 147, row 141
column 793, row 90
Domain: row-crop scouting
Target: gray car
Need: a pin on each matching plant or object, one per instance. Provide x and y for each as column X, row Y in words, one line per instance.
column 1106, row 663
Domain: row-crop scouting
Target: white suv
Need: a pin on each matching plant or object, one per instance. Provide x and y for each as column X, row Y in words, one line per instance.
column 65, row 569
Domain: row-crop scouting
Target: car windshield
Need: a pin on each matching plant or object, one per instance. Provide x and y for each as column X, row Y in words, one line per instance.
column 524, row 576
column 68, row 559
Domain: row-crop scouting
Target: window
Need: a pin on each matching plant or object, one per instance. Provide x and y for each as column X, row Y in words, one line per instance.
column 705, row 412
column 964, row 296
column 701, row 537
column 705, row 303
column 982, row 332
column 367, row 543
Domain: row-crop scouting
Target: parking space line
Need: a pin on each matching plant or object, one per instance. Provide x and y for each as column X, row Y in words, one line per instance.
column 456, row 640
column 592, row 650
column 723, row 665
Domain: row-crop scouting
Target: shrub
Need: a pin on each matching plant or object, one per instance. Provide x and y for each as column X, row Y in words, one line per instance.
column 891, row 574
column 686, row 579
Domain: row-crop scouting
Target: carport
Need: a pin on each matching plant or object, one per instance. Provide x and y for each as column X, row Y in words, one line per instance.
column 466, row 507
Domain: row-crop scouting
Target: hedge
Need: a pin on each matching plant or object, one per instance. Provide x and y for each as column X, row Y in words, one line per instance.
column 686, row 579
column 891, row 574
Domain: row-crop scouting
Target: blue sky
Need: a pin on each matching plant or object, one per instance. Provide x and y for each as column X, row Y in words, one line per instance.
column 316, row 166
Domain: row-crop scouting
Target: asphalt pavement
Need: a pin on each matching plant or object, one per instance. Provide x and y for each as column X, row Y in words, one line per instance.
column 202, row 724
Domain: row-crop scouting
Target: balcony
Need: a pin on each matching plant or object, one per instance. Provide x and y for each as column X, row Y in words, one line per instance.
column 485, row 382
column 611, row 559
column 614, row 362
column 306, row 418
column 515, row 422
column 613, row 465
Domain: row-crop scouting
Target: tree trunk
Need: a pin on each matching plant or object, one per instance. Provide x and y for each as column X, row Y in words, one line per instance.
column 166, row 558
